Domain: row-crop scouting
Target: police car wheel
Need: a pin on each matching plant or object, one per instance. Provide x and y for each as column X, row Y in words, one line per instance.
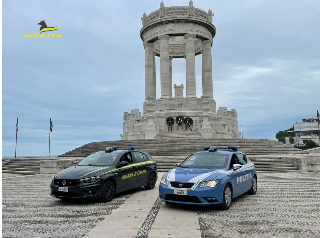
column 227, row 197
column 151, row 181
column 253, row 189
column 108, row 191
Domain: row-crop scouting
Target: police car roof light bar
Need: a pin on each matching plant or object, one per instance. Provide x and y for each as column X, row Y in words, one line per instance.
column 206, row 147
column 130, row 147
column 108, row 150
column 223, row 147
column 114, row 148
column 234, row 148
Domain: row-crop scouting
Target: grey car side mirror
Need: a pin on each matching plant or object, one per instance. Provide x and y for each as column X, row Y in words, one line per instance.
column 236, row 166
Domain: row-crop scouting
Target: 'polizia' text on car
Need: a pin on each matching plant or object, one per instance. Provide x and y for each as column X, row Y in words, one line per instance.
column 213, row 176
column 104, row 174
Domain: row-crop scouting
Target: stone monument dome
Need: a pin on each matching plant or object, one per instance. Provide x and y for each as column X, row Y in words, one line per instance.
column 169, row 33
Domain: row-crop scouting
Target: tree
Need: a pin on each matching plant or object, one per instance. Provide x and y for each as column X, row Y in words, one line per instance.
column 281, row 135
column 311, row 144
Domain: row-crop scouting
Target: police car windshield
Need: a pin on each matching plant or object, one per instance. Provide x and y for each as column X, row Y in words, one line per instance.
column 100, row 159
column 216, row 161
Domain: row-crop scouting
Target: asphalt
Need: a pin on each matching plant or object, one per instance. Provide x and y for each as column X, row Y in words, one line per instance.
column 286, row 205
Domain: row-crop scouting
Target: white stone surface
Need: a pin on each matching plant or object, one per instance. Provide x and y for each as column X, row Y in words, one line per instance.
column 164, row 65
column 223, row 123
column 134, row 212
column 170, row 77
column 149, row 72
column 190, row 66
column 168, row 38
column 178, row 91
column 207, row 88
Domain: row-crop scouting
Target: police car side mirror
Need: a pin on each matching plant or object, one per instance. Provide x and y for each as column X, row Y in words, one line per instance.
column 236, row 166
column 123, row 163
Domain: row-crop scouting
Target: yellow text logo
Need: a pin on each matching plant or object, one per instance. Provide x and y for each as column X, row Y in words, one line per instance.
column 131, row 175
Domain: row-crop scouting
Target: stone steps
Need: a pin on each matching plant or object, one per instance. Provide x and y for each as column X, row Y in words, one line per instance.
column 179, row 134
column 26, row 172
column 176, row 147
column 168, row 152
column 21, row 165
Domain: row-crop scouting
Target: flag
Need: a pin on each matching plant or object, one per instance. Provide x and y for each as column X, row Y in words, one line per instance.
column 17, row 129
column 51, row 125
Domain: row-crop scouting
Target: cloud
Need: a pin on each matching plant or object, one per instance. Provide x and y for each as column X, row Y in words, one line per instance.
column 265, row 65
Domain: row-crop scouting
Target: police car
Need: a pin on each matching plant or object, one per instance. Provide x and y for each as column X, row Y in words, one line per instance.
column 104, row 174
column 213, row 176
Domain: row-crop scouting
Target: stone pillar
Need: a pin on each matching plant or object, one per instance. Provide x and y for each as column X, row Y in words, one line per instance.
column 170, row 77
column 154, row 80
column 149, row 68
column 164, row 65
column 207, row 88
column 190, row 66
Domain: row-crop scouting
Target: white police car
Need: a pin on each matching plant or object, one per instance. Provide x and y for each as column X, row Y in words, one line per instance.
column 213, row 176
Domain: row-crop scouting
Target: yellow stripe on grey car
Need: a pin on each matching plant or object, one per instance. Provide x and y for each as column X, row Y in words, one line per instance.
column 128, row 166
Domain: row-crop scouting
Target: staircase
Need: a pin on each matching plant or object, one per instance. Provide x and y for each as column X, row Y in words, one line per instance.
column 179, row 134
column 21, row 165
column 265, row 154
column 184, row 147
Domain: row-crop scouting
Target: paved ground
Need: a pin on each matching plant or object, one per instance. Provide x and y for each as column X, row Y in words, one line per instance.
column 286, row 205
column 29, row 211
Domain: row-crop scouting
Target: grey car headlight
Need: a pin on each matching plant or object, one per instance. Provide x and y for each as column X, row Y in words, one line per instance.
column 93, row 179
column 211, row 184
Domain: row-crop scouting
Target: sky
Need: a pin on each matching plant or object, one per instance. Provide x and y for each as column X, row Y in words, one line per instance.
column 266, row 65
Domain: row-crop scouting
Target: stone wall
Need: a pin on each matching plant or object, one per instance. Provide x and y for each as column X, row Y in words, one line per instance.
column 206, row 120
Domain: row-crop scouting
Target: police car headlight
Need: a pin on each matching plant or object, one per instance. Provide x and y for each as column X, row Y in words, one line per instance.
column 211, row 184
column 90, row 179
column 164, row 181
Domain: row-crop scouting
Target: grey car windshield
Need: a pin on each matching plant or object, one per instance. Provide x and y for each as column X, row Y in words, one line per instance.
column 217, row 161
column 100, row 159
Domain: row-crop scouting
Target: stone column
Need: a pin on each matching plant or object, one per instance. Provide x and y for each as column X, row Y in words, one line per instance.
column 190, row 66
column 154, row 80
column 149, row 68
column 207, row 88
column 164, row 65
column 170, row 77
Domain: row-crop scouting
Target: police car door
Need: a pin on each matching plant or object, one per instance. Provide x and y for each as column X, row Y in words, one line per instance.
column 125, row 178
column 141, row 168
column 247, row 175
column 235, row 176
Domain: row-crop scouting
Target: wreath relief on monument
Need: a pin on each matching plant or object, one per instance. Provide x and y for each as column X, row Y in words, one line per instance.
column 170, row 122
column 179, row 121
column 188, row 121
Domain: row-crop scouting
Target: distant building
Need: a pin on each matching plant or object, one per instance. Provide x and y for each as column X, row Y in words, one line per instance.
column 306, row 130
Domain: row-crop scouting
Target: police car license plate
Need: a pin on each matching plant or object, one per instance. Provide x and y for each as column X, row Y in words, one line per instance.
column 180, row 192
column 63, row 189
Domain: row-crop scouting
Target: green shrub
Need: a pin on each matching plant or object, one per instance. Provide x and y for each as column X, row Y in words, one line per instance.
column 311, row 144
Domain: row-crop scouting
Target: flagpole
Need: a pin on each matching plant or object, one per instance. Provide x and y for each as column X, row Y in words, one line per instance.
column 15, row 151
column 49, row 135
column 318, row 126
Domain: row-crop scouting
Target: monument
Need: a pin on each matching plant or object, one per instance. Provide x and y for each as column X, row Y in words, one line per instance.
column 169, row 33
